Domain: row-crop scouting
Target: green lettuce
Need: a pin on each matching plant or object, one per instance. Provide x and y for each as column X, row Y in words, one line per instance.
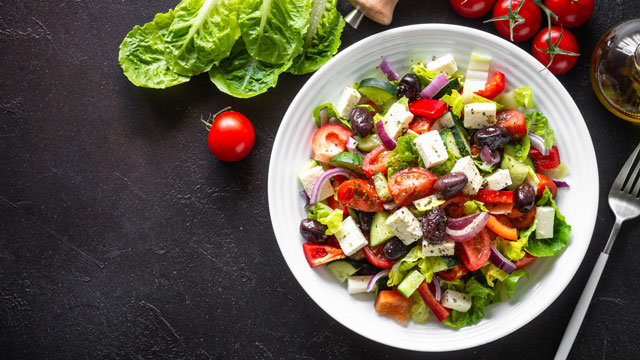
column 480, row 99
column 492, row 273
column 428, row 203
column 274, row 31
column 403, row 156
column 322, row 39
column 539, row 125
column 511, row 281
column 561, row 232
column 401, row 267
column 202, row 34
column 142, row 55
column 326, row 216
column 418, row 310
column 474, row 206
column 425, row 75
column 481, row 296
column 523, row 97
column 331, row 112
column 242, row 76
column 454, row 100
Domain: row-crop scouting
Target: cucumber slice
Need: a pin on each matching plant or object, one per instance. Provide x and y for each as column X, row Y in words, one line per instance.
column 382, row 187
column 451, row 261
column 368, row 143
column 510, row 150
column 380, row 232
column 558, row 173
column 450, row 143
column 410, row 283
column 517, row 170
column 342, row 269
column 446, row 90
column 439, row 264
column 347, row 160
column 378, row 91
column 460, row 136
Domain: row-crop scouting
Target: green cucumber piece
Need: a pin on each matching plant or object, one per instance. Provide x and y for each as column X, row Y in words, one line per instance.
column 510, row 149
column 368, row 143
column 461, row 141
column 450, row 143
column 347, row 160
column 309, row 164
column 439, row 264
column 410, row 283
column 342, row 269
column 378, row 91
column 382, row 187
column 380, row 232
column 558, row 173
column 518, row 170
column 451, row 261
column 447, row 89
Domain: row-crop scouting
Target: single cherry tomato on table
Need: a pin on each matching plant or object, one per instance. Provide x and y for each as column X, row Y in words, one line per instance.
column 475, row 253
column 360, row 195
column 505, row 19
column 514, row 121
column 571, row 13
column 494, row 86
column 563, row 43
column 376, row 161
column 472, row 8
column 231, row 136
column 411, row 184
column 375, row 256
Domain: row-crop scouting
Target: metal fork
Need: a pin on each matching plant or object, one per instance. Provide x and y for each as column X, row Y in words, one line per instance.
column 624, row 201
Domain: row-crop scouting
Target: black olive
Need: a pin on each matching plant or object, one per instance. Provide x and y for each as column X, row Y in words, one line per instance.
column 495, row 137
column 409, row 86
column 313, row 231
column 450, row 185
column 395, row 249
column 524, row 197
column 365, row 219
column 367, row 269
column 434, row 225
column 361, row 121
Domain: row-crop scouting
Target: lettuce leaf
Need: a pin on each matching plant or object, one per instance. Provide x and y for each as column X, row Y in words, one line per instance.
column 418, row 310
column 403, row 156
column 331, row 112
column 454, row 100
column 480, row 297
column 512, row 250
column 202, row 34
column 322, row 39
column 326, row 216
column 274, row 31
column 523, row 97
column 425, row 75
column 402, row 266
column 474, row 206
column 242, row 76
column 480, row 99
column 492, row 273
column 511, row 281
column 428, row 203
column 142, row 55
column 561, row 232
column 539, row 125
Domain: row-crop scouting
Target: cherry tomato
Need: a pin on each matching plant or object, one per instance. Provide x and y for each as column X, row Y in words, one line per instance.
column 525, row 261
column 376, row 257
column 376, row 161
column 411, row 184
column 317, row 254
column 514, row 121
column 231, row 136
column 360, row 195
column 421, row 125
column 472, row 8
column 475, row 253
column 494, row 86
column 329, row 141
column 545, row 162
column 336, row 205
column 525, row 31
column 571, row 13
column 522, row 220
column 454, row 273
column 561, row 62
column 545, row 182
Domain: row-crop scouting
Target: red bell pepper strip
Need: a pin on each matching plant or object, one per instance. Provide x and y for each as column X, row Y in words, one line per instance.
column 542, row 162
column 426, row 292
column 317, row 254
column 428, row 107
column 494, row 86
column 495, row 196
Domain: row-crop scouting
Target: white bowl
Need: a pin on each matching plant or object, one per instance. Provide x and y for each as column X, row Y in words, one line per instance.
column 402, row 47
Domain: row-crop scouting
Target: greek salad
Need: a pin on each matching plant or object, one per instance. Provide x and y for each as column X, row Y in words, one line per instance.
column 432, row 191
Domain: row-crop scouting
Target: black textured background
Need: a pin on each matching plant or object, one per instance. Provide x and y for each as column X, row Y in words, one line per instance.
column 121, row 236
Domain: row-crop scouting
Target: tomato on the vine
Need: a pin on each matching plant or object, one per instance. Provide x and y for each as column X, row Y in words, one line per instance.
column 231, row 136
column 563, row 42
column 570, row 13
column 525, row 17
column 472, row 8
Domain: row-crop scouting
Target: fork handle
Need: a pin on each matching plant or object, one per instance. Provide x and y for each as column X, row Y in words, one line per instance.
column 581, row 309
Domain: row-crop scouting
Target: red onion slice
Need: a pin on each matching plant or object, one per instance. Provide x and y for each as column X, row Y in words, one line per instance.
column 561, row 184
column 387, row 140
column 470, row 230
column 436, row 85
column 306, row 198
column 436, row 284
column 386, row 69
column 322, row 179
column 461, row 223
column 372, row 283
column 537, row 142
column 500, row 261
column 488, row 156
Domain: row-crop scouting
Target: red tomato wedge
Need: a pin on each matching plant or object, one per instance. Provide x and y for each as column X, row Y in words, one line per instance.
column 502, row 230
column 545, row 182
column 475, row 253
column 376, row 257
column 514, row 121
column 360, row 195
column 376, row 161
column 428, row 107
column 454, row 273
column 329, row 141
column 392, row 304
column 494, row 86
column 421, row 124
column 317, row 254
column 411, row 184
column 454, row 207
column 522, row 220
column 495, row 196
column 545, row 162
column 426, row 291
column 525, row 261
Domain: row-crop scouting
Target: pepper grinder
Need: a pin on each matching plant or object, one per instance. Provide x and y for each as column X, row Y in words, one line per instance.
column 380, row 11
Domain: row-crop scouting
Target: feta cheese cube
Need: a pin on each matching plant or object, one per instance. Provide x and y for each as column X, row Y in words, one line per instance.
column 308, row 179
column 397, row 120
column 358, row 284
column 498, row 180
column 468, row 167
column 479, row 115
column 347, row 101
column 404, row 225
column 431, row 148
column 456, row 300
column 445, row 121
column 359, row 255
column 445, row 248
column 350, row 237
column 546, row 216
column 443, row 65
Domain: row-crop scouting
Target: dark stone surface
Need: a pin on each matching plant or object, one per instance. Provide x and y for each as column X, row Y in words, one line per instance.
column 122, row 237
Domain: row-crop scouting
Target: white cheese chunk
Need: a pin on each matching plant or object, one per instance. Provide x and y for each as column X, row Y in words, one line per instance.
column 445, row 248
column 456, row 300
column 468, row 167
column 397, row 120
column 498, row 180
column 347, row 101
column 546, row 216
column 350, row 237
column 308, row 179
column 470, row 87
column 431, row 148
column 404, row 225
column 358, row 284
column 445, row 121
column 358, row 255
column 443, row 65
column 479, row 115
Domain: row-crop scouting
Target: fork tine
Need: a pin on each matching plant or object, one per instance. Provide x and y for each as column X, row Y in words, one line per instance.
column 619, row 182
column 632, row 180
